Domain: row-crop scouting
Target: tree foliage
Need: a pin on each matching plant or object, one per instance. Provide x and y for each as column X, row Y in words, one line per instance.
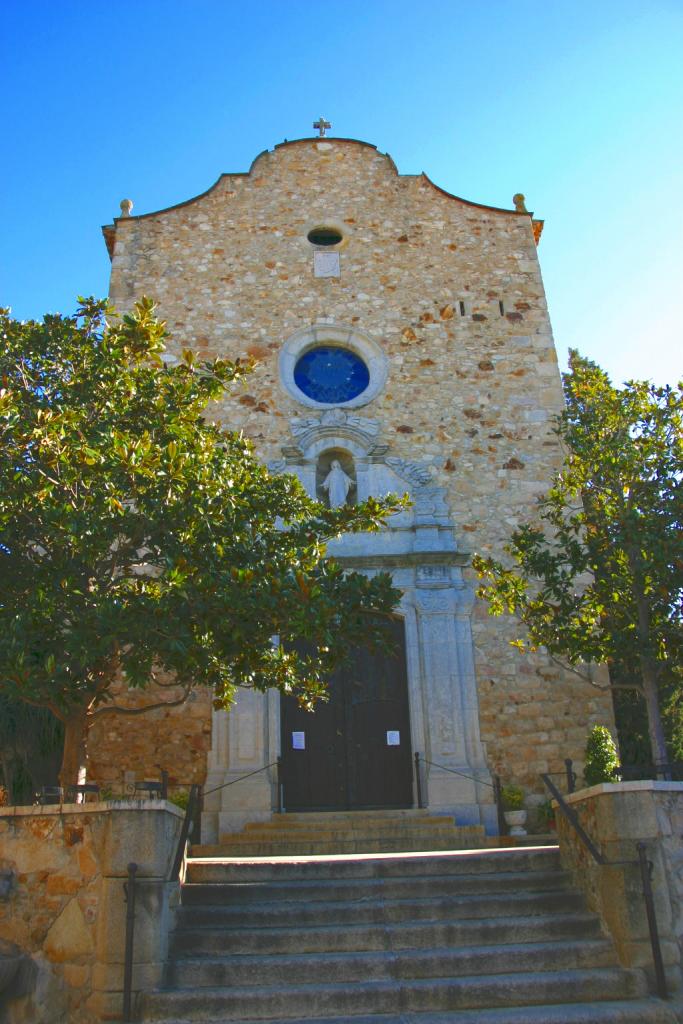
column 599, row 577
column 139, row 539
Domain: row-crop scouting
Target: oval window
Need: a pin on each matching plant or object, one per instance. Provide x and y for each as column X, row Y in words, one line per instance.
column 331, row 375
column 324, row 236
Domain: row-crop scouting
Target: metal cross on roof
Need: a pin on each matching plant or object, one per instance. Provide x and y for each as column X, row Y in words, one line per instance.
column 322, row 125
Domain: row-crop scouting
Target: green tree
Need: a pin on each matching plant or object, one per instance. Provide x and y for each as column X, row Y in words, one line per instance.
column 599, row 577
column 139, row 539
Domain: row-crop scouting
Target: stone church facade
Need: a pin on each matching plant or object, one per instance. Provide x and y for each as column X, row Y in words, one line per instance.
column 401, row 338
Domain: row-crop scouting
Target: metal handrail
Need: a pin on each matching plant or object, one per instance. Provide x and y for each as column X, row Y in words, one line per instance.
column 495, row 786
column 193, row 804
column 628, row 772
column 242, row 777
column 130, row 894
column 193, row 807
column 464, row 775
column 645, row 866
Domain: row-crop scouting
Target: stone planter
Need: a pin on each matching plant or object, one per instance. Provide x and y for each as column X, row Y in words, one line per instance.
column 515, row 820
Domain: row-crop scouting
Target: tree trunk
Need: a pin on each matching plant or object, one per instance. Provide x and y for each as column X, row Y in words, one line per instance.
column 75, row 730
column 654, row 717
column 648, row 665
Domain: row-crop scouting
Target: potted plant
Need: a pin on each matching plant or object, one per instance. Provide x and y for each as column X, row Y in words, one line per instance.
column 513, row 809
column 546, row 815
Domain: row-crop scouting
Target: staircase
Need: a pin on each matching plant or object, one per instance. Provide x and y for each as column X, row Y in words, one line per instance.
column 471, row 937
column 340, row 832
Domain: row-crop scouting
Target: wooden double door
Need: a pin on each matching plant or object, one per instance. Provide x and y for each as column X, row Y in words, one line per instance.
column 353, row 751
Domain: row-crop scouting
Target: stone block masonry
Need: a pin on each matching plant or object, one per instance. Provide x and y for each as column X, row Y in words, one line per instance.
column 617, row 816
column 452, row 294
column 126, row 747
column 63, row 905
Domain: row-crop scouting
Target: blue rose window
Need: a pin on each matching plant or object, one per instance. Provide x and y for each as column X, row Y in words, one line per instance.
column 330, row 374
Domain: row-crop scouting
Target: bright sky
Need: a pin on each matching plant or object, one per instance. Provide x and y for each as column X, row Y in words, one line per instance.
column 579, row 105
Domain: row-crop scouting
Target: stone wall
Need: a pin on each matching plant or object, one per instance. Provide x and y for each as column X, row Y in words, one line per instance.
column 127, row 748
column 616, row 817
column 452, row 292
column 62, row 905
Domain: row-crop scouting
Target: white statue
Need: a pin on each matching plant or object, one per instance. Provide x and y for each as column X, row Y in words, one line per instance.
column 337, row 484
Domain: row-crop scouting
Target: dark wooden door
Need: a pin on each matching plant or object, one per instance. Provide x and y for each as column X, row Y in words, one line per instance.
column 354, row 751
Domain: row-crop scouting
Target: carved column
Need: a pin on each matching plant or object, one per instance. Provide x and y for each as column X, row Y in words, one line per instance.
column 450, row 702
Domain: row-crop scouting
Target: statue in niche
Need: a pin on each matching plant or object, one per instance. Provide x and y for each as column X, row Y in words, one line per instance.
column 337, row 484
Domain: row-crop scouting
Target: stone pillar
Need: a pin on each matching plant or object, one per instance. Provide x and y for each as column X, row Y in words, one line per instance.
column 617, row 816
column 149, row 840
column 240, row 745
column 450, row 707
column 63, row 905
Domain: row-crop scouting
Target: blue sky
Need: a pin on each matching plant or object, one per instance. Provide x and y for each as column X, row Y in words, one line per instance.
column 577, row 105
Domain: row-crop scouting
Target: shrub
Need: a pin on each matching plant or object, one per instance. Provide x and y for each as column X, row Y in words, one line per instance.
column 180, row 799
column 602, row 759
column 513, row 798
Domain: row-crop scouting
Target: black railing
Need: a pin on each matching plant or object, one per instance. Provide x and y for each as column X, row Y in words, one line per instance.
column 645, row 867
column 418, row 781
column 189, row 827
column 147, row 788
column 247, row 775
column 130, row 887
column 495, row 785
column 129, row 894
column 66, row 795
column 670, row 771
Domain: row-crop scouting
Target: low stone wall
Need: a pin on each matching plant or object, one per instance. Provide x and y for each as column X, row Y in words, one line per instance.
column 176, row 739
column 616, row 817
column 62, row 905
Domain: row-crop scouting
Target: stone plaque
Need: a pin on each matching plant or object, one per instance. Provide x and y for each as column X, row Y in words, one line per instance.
column 326, row 264
column 432, row 574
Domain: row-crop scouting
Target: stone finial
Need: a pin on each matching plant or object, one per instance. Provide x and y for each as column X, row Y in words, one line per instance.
column 518, row 200
column 126, row 206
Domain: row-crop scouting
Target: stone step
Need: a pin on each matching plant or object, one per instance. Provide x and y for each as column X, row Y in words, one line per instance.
column 394, row 936
column 435, row 994
column 301, row 834
column 401, row 813
column 458, row 862
column 243, row 847
column 382, row 965
column 319, row 913
column 217, row 893
column 346, row 833
column 495, row 936
column 637, row 1011
column 356, row 820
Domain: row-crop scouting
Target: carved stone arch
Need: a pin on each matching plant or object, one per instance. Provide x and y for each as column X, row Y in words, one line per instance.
column 338, row 441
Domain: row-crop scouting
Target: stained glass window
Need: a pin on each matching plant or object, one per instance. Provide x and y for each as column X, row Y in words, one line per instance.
column 331, row 375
